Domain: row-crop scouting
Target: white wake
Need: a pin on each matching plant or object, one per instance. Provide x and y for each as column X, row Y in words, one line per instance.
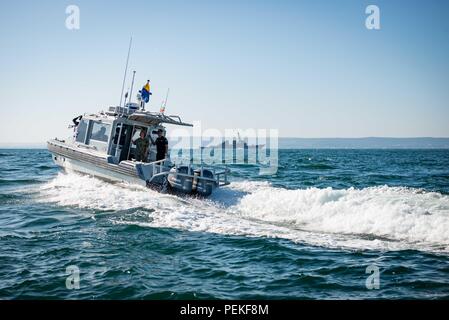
column 390, row 218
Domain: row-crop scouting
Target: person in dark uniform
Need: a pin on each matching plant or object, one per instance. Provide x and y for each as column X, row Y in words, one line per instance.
column 161, row 144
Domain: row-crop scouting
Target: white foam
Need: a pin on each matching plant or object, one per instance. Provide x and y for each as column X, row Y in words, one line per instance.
column 371, row 218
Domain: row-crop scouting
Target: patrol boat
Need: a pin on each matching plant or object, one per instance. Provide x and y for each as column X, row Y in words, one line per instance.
column 102, row 146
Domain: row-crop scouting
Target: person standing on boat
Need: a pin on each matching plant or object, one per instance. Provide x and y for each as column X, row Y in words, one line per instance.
column 161, row 144
column 142, row 145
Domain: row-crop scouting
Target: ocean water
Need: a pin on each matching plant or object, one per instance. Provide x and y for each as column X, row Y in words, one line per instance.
column 312, row 231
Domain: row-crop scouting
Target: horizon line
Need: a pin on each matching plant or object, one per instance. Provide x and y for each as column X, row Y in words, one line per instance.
column 286, row 137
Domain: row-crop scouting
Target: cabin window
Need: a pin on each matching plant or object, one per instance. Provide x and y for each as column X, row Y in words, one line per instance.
column 81, row 131
column 99, row 135
column 100, row 131
column 122, row 132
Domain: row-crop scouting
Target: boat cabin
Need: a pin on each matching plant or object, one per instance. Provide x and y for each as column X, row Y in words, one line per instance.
column 112, row 133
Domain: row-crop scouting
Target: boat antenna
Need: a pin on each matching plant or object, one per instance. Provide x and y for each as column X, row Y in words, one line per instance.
column 126, row 69
column 132, row 85
column 164, row 103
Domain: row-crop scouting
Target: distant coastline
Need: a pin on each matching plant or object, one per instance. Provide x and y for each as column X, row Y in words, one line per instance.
column 364, row 143
column 321, row 143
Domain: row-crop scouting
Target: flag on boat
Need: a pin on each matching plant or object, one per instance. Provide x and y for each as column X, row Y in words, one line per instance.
column 145, row 92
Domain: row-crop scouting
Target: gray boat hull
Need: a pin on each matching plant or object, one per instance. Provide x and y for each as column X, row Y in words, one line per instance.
column 72, row 160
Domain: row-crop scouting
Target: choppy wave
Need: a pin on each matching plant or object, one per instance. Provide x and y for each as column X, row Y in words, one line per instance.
column 5, row 182
column 389, row 218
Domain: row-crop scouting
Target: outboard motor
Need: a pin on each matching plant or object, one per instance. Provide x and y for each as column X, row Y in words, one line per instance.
column 201, row 186
column 180, row 182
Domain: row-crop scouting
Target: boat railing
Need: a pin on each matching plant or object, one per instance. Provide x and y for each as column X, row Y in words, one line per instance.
column 157, row 166
column 86, row 146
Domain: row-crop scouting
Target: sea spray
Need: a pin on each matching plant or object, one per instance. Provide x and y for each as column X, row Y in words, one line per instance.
column 374, row 217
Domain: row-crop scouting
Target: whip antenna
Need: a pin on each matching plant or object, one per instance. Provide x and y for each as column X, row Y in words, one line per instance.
column 126, row 69
column 164, row 103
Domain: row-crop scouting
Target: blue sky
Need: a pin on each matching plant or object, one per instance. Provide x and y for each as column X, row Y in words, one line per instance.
column 306, row 68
